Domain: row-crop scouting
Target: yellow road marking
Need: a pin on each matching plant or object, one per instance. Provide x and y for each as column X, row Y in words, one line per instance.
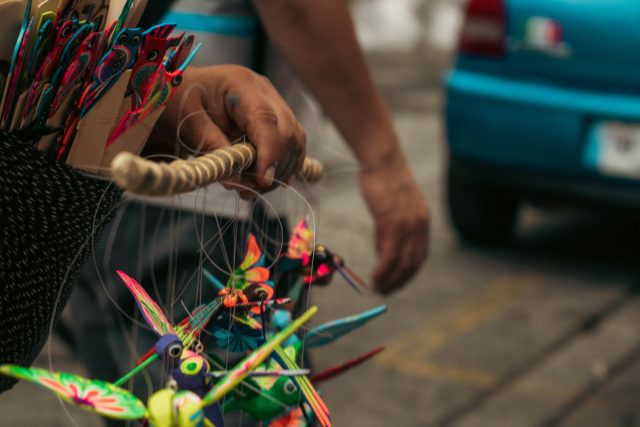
column 409, row 352
column 430, row 370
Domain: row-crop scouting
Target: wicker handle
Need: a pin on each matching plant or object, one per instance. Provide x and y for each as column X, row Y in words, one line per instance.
column 141, row 176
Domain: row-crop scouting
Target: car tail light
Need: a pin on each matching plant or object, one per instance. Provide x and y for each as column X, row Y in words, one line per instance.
column 483, row 32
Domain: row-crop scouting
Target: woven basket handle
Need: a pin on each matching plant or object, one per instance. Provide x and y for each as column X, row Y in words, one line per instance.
column 145, row 177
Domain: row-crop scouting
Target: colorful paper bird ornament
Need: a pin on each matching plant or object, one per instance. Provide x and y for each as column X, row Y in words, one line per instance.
column 194, row 373
column 172, row 341
column 316, row 263
column 250, row 281
column 165, row 408
column 121, row 56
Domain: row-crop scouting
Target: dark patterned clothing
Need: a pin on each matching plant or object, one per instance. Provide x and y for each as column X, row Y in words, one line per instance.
column 49, row 214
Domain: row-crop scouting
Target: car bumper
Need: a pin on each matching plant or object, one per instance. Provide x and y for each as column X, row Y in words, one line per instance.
column 529, row 125
column 553, row 188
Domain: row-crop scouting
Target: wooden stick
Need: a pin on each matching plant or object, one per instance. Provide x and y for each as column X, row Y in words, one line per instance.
column 141, row 176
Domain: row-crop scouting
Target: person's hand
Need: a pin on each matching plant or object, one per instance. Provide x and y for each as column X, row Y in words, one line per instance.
column 401, row 224
column 219, row 104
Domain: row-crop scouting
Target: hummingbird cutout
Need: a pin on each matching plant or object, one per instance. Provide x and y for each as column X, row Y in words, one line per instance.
column 299, row 415
column 78, row 67
column 155, row 43
column 72, row 46
column 267, row 398
column 162, row 88
column 17, row 58
column 120, row 57
column 165, row 408
column 329, row 332
column 49, row 66
column 250, row 281
column 194, row 373
column 42, row 44
column 13, row 79
column 172, row 341
column 316, row 264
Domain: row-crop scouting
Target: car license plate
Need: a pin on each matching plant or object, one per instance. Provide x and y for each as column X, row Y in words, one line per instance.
column 616, row 149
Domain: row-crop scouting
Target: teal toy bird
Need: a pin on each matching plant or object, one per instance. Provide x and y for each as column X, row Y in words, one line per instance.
column 267, row 398
column 328, row 332
column 162, row 89
column 264, row 398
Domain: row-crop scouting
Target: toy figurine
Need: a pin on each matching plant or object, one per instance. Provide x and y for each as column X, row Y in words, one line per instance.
column 172, row 340
column 166, row 407
column 121, row 56
column 316, row 263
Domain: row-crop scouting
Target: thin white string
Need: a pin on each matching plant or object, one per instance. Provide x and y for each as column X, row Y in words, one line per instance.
column 205, row 255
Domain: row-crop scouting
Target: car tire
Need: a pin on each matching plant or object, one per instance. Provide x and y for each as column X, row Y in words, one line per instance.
column 480, row 212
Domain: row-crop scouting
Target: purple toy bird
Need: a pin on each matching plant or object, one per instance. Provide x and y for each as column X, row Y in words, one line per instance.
column 120, row 57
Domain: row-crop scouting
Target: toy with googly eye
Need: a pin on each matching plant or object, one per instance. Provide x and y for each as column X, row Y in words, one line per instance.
column 120, row 57
column 193, row 373
column 169, row 345
column 163, row 86
column 315, row 263
column 172, row 341
column 167, row 407
column 155, row 43
column 271, row 400
column 267, row 398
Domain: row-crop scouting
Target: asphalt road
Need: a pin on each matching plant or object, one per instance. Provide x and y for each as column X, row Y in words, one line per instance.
column 541, row 332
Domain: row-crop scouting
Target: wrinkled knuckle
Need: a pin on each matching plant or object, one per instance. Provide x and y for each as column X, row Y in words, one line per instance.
column 265, row 115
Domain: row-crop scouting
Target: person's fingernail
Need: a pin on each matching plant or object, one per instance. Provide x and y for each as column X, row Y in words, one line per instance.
column 269, row 175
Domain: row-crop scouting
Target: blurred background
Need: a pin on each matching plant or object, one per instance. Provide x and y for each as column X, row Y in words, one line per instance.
column 521, row 135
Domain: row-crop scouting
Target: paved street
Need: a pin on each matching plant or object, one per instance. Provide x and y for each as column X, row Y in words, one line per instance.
column 542, row 332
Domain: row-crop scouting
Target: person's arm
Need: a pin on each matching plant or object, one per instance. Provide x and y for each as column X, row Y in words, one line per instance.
column 318, row 39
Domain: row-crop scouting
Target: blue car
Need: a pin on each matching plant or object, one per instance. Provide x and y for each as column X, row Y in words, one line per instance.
column 543, row 105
